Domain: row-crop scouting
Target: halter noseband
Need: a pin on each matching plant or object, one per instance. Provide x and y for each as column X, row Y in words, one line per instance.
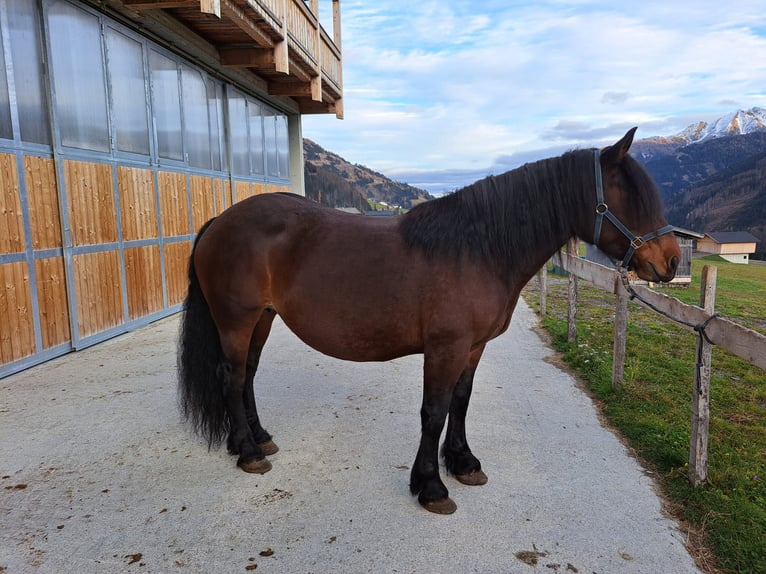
column 602, row 210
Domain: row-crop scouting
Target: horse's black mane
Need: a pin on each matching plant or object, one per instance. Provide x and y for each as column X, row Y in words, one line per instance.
column 504, row 220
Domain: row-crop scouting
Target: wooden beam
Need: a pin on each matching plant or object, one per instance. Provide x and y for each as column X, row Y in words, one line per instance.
column 160, row 4
column 210, row 7
column 245, row 23
column 247, row 57
column 281, row 57
column 298, row 74
column 290, row 89
column 206, row 6
column 339, row 108
column 316, row 88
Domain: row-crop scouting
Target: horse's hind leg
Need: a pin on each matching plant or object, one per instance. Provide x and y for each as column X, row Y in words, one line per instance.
column 260, row 335
column 457, row 455
column 236, row 346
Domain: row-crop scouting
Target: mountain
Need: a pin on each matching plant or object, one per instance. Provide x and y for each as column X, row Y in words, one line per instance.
column 712, row 177
column 331, row 180
column 683, row 165
column 734, row 199
column 740, row 122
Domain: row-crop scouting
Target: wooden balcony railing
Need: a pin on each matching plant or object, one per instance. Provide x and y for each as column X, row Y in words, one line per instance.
column 279, row 41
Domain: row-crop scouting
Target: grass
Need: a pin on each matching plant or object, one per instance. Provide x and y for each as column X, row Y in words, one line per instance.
column 652, row 408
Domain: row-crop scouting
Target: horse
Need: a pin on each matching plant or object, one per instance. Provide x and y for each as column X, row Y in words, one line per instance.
column 440, row 280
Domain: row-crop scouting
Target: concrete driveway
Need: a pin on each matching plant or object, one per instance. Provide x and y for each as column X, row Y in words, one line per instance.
column 99, row 475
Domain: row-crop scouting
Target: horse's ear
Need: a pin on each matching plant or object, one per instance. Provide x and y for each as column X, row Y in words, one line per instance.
column 617, row 152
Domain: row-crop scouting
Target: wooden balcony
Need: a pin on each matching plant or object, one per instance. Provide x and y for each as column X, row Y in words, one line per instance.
column 276, row 46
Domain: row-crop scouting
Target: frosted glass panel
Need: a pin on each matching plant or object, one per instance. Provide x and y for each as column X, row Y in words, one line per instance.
column 76, row 53
column 283, row 147
column 256, row 136
column 166, row 106
column 270, row 142
column 26, row 51
column 240, row 160
column 6, row 129
column 215, row 113
column 196, row 131
column 126, row 74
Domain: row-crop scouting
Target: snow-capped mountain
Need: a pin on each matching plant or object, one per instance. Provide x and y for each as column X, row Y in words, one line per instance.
column 738, row 123
column 735, row 123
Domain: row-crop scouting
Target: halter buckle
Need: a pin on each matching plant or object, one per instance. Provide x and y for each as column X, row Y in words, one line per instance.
column 602, row 208
column 637, row 242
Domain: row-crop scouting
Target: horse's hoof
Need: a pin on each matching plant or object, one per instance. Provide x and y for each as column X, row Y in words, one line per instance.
column 473, row 478
column 441, row 506
column 258, row 466
column 269, row 447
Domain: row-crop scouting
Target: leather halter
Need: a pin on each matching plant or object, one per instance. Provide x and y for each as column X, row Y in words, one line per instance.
column 602, row 211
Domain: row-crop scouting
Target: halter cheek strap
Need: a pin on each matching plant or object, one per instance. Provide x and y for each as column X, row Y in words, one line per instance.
column 602, row 211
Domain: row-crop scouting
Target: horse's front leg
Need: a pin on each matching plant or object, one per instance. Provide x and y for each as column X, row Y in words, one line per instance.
column 442, row 367
column 458, row 458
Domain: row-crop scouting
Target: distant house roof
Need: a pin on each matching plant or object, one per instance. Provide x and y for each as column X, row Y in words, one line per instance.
column 687, row 233
column 732, row 237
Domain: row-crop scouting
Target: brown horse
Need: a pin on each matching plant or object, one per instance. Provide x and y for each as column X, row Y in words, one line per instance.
column 442, row 280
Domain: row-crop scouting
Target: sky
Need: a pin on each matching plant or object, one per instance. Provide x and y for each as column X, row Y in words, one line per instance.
column 439, row 94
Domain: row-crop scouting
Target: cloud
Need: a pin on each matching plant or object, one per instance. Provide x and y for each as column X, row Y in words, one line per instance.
column 615, row 97
column 463, row 88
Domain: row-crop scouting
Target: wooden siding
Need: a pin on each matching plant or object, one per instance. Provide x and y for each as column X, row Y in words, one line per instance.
column 42, row 197
column 143, row 276
column 229, row 198
column 125, row 256
column 11, row 217
column 52, row 301
column 242, row 190
column 98, row 291
column 219, row 190
column 137, row 203
column 17, row 337
column 176, row 270
column 203, row 199
column 274, row 188
column 90, row 200
column 174, row 204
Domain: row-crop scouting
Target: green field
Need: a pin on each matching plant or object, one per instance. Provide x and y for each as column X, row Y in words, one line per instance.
column 726, row 518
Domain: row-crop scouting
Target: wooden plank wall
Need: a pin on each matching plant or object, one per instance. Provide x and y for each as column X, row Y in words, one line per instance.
column 138, row 207
column 96, row 275
column 174, row 209
column 11, row 218
column 130, row 237
column 17, row 337
column 45, row 223
column 138, row 213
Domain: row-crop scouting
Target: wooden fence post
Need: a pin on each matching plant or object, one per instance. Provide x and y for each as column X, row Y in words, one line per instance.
column 543, row 279
column 572, row 297
column 620, row 332
column 701, row 395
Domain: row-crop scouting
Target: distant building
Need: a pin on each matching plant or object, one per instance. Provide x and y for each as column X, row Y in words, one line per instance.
column 685, row 238
column 734, row 246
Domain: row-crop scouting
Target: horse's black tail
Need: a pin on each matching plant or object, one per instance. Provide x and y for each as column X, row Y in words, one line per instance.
column 200, row 391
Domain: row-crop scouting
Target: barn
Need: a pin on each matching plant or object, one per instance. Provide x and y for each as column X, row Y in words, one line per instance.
column 733, row 246
column 124, row 126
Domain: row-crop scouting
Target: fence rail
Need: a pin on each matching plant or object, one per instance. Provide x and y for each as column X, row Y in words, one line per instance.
column 741, row 341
